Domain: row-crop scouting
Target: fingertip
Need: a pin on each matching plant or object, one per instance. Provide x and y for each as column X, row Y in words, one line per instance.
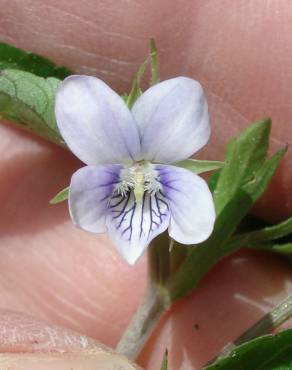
column 98, row 360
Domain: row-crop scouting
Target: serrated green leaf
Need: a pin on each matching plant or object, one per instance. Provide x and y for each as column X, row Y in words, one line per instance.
column 14, row 58
column 29, row 100
column 164, row 365
column 269, row 352
column 200, row 166
column 203, row 256
column 244, row 156
column 61, row 196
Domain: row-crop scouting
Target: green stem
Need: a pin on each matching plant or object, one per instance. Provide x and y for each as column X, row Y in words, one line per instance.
column 143, row 322
column 162, row 264
column 279, row 314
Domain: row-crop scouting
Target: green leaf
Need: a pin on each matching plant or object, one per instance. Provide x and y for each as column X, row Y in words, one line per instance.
column 269, row 352
column 61, row 196
column 204, row 255
column 261, row 179
column 125, row 97
column 136, row 90
column 264, row 235
column 213, row 180
column 281, row 248
column 199, row 166
column 28, row 100
column 14, row 58
column 155, row 70
column 164, row 365
column 285, row 249
column 244, row 156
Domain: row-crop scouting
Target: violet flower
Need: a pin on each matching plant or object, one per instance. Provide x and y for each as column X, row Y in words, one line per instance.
column 127, row 188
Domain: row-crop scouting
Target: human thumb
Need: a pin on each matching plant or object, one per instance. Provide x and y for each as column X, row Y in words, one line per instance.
column 96, row 360
column 27, row 343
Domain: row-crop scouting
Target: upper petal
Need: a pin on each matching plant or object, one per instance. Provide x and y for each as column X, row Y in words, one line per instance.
column 132, row 225
column 95, row 122
column 90, row 190
column 173, row 120
column 190, row 202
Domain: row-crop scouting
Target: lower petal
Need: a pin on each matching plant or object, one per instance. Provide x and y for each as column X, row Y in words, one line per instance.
column 132, row 225
column 90, row 190
column 190, row 202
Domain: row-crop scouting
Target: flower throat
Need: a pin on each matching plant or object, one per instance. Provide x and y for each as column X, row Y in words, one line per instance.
column 140, row 177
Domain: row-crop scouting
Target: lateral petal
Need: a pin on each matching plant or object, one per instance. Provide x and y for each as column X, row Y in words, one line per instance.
column 190, row 202
column 89, row 194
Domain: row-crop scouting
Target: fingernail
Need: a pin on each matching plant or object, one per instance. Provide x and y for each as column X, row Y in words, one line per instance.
column 84, row 361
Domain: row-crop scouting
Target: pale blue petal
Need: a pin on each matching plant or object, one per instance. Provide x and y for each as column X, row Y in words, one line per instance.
column 173, row 120
column 95, row 122
column 90, row 191
column 132, row 225
column 190, row 202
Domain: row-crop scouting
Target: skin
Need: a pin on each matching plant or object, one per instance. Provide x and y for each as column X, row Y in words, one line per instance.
column 240, row 51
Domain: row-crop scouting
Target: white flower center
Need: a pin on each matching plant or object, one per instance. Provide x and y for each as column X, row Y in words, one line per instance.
column 141, row 177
